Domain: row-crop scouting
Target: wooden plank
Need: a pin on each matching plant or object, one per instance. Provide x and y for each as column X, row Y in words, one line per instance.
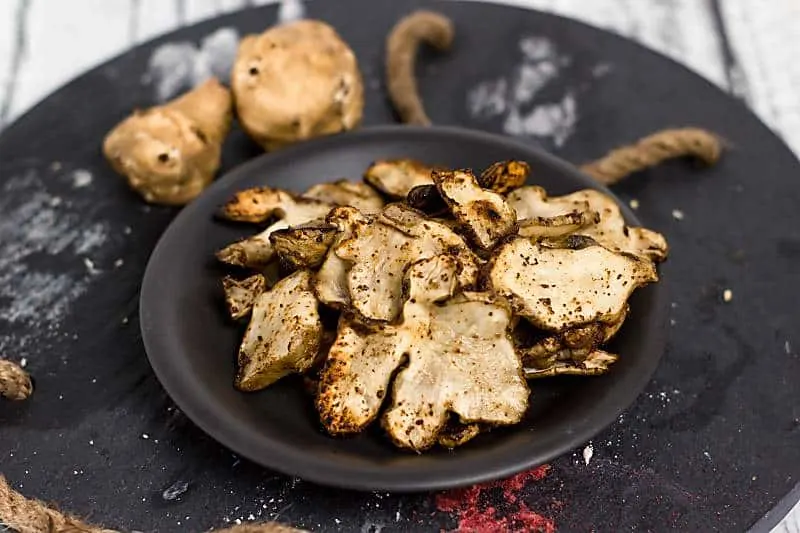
column 766, row 43
column 681, row 29
column 62, row 40
column 12, row 52
column 790, row 524
column 197, row 10
column 156, row 17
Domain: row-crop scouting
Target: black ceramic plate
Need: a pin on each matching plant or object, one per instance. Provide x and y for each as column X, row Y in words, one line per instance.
column 191, row 345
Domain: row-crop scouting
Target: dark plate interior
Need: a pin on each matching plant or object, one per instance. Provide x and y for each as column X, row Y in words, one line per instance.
column 191, row 345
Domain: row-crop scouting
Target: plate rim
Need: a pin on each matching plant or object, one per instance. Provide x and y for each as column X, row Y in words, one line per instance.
column 332, row 476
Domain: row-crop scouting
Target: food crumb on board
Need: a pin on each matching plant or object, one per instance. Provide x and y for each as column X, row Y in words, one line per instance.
column 677, row 214
column 90, row 267
column 118, row 263
column 708, row 455
column 24, row 362
column 588, row 452
column 175, row 491
column 91, row 443
column 727, row 295
column 145, row 436
column 81, row 178
column 634, row 203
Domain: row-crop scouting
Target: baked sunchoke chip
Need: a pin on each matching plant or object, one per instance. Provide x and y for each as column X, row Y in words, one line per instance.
column 610, row 231
column 344, row 192
column 296, row 81
column 304, row 246
column 484, row 215
column 261, row 204
column 572, row 283
column 380, row 251
column 331, row 281
column 504, row 176
column 283, row 336
column 170, row 153
column 575, row 351
column 459, row 358
column 396, row 177
column 557, row 226
column 240, row 295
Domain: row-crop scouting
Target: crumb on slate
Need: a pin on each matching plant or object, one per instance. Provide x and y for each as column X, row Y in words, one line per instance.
column 727, row 295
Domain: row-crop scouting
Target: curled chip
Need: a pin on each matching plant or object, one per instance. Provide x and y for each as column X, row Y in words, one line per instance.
column 483, row 214
column 240, row 295
column 259, row 205
column 304, row 246
column 396, row 177
column 343, row 192
column 610, row 231
column 504, row 176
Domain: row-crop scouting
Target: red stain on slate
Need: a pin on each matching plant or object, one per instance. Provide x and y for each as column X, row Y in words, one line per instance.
column 477, row 516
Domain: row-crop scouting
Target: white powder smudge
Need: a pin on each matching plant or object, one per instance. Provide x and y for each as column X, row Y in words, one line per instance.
column 787, row 347
column 90, row 268
column 290, row 10
column 556, row 121
column 35, row 226
column 514, row 96
column 588, row 452
column 601, row 70
column 175, row 491
column 81, row 178
column 177, row 66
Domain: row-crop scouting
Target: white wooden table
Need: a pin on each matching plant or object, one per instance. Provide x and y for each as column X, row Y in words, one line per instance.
column 746, row 47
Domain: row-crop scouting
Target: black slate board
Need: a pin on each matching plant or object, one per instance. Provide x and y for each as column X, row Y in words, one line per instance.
column 712, row 444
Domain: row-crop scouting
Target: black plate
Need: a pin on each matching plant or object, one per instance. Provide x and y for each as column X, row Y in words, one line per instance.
column 191, row 345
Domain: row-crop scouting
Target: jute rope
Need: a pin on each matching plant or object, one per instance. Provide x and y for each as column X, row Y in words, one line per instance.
column 654, row 150
column 401, row 57
column 15, row 383
column 32, row 516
